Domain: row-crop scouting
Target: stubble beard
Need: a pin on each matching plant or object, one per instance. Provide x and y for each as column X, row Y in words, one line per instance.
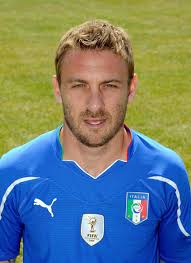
column 94, row 138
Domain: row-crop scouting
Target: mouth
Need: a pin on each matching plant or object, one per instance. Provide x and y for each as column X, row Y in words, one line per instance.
column 95, row 123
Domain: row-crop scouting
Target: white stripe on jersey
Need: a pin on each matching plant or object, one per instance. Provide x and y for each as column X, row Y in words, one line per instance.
column 173, row 184
column 10, row 188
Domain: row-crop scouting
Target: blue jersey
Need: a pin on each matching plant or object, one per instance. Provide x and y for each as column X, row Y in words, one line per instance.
column 135, row 211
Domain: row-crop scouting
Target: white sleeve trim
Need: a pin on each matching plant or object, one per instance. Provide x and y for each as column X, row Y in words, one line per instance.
column 10, row 188
column 173, row 184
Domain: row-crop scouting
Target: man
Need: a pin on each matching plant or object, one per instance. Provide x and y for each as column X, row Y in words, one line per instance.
column 94, row 190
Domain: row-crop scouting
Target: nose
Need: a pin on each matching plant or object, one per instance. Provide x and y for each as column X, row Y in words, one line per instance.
column 95, row 101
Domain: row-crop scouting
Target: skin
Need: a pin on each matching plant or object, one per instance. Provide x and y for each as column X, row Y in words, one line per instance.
column 9, row 261
column 94, row 94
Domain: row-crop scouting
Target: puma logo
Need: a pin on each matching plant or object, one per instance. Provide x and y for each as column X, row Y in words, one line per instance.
column 42, row 204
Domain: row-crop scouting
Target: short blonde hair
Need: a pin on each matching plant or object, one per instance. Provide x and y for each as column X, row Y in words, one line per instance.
column 96, row 35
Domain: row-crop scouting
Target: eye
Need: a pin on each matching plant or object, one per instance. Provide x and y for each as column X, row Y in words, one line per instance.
column 79, row 85
column 109, row 85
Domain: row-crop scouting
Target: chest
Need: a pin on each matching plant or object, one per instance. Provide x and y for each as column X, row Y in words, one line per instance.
column 119, row 222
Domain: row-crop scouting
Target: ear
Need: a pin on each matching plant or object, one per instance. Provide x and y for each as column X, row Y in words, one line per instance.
column 56, row 89
column 132, row 88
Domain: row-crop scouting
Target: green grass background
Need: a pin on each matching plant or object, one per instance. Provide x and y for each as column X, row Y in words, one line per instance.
column 161, row 35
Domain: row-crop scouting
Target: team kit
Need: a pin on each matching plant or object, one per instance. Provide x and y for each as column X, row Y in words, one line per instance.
column 48, row 200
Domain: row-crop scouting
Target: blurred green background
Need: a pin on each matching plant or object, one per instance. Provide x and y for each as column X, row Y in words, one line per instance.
column 161, row 36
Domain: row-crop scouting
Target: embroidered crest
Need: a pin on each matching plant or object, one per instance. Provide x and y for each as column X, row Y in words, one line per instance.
column 137, row 207
column 92, row 228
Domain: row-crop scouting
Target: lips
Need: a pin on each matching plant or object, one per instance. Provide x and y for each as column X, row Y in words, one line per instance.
column 95, row 122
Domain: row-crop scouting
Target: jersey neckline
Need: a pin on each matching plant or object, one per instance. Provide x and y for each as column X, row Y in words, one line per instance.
column 58, row 149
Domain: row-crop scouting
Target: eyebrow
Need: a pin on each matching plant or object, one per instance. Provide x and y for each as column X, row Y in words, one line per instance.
column 75, row 80
column 83, row 81
column 112, row 80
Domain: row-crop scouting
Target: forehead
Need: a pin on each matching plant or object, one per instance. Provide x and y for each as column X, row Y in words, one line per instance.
column 94, row 62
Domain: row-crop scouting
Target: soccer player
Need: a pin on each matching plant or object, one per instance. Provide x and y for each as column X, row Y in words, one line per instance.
column 94, row 190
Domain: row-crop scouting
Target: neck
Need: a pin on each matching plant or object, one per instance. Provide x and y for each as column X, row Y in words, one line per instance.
column 102, row 156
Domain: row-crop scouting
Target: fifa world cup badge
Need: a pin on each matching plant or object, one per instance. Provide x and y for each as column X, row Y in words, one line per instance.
column 137, row 204
column 92, row 228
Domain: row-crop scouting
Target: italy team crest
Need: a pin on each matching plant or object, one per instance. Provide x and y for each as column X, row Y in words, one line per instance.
column 137, row 207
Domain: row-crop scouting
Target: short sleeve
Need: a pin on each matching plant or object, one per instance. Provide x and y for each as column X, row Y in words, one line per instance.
column 175, row 225
column 10, row 224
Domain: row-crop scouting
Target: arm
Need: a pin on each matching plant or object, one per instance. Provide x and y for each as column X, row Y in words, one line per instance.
column 175, row 224
column 9, row 261
column 10, row 223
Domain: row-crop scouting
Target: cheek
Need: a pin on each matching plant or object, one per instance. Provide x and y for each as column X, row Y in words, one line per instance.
column 74, row 98
column 72, row 107
column 116, row 102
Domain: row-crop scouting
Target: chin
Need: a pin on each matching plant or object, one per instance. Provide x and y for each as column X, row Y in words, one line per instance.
column 95, row 141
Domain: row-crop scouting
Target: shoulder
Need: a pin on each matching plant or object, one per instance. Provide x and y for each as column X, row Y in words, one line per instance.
column 163, row 160
column 26, row 157
column 21, row 167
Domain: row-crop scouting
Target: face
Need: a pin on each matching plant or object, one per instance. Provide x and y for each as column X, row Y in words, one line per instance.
column 94, row 94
